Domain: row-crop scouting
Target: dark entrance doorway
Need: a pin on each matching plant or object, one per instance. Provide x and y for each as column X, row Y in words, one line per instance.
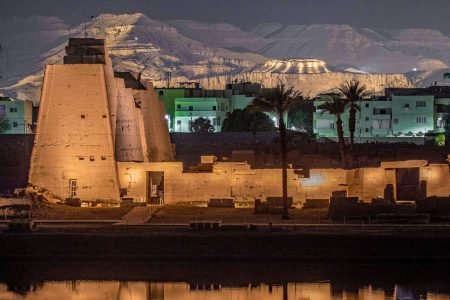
column 407, row 184
column 155, row 191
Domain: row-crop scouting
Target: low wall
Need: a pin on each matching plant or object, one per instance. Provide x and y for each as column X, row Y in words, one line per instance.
column 15, row 154
column 239, row 180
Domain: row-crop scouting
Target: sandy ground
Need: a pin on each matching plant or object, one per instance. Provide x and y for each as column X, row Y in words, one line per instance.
column 64, row 212
column 185, row 214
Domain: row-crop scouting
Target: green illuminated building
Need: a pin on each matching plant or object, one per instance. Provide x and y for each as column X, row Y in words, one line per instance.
column 184, row 105
column 18, row 116
column 403, row 114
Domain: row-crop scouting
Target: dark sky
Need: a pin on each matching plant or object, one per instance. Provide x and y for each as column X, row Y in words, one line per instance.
column 433, row 14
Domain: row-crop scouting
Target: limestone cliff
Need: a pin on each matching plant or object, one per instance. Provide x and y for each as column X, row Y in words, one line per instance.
column 309, row 84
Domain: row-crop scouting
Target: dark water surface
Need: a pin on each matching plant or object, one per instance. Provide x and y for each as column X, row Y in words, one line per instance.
column 138, row 280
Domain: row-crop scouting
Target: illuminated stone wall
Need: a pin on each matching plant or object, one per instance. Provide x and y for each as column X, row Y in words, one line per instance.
column 238, row 180
column 128, row 145
column 437, row 177
column 74, row 138
column 89, row 120
column 156, row 130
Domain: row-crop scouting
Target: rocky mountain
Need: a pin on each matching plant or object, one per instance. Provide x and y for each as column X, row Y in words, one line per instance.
column 219, row 35
column 309, row 84
column 294, row 66
column 315, row 58
column 367, row 50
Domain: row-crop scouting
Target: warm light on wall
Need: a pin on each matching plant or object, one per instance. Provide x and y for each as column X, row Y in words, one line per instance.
column 314, row 180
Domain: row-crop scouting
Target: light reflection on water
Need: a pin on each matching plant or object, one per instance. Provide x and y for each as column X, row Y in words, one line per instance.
column 234, row 281
column 114, row 290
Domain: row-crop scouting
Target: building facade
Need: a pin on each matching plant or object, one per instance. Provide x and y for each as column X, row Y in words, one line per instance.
column 403, row 115
column 185, row 104
column 89, row 120
column 18, row 116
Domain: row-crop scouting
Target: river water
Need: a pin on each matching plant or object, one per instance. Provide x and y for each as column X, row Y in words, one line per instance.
column 134, row 280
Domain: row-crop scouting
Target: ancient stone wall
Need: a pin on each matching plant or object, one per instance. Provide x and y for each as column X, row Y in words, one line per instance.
column 156, row 131
column 238, row 180
column 74, row 139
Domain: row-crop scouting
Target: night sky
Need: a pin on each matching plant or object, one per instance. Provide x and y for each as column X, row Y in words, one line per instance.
column 432, row 14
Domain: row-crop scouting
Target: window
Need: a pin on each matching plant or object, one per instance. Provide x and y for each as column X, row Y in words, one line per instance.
column 421, row 119
column 178, row 122
column 216, row 121
column 440, row 123
column 381, row 124
column 2, row 111
column 191, row 108
column 325, row 124
column 72, row 188
column 178, row 106
column 367, row 104
column 80, row 158
column 395, row 121
column 14, row 124
column 214, row 107
column 13, row 109
column 83, row 116
column 161, row 93
column 406, row 106
column 103, row 157
column 367, row 118
column 382, row 111
column 92, row 158
column 367, row 130
column 421, row 104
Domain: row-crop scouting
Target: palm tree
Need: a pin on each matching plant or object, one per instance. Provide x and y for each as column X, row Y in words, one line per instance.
column 278, row 101
column 335, row 105
column 353, row 91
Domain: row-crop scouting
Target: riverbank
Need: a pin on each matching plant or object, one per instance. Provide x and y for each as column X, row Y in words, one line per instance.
column 306, row 243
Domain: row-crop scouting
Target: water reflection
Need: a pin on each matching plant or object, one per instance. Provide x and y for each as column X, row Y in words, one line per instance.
column 233, row 281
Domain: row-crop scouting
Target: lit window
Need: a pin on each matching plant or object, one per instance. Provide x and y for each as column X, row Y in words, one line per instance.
column 421, row 104
column 421, row 119
column 381, row 124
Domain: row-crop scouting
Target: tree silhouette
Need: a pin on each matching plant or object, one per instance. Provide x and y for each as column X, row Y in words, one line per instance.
column 4, row 124
column 279, row 101
column 200, row 125
column 245, row 121
column 336, row 106
column 353, row 92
